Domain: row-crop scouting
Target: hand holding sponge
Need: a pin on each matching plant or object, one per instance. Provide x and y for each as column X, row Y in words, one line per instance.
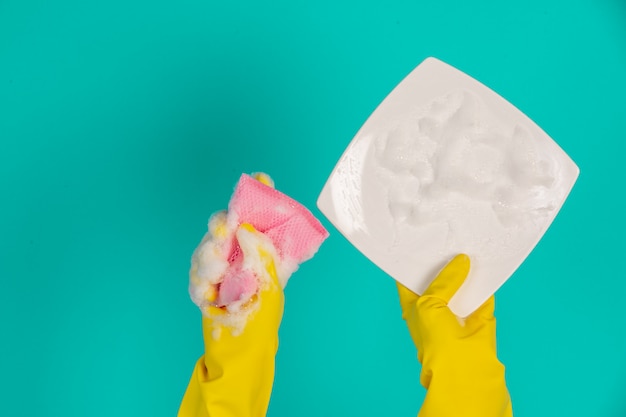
column 226, row 270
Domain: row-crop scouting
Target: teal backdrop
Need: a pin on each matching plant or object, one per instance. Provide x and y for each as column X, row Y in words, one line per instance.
column 125, row 124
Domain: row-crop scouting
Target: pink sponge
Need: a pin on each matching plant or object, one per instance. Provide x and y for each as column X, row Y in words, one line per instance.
column 293, row 230
column 237, row 284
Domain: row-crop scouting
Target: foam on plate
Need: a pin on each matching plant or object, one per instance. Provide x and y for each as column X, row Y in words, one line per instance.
column 454, row 162
column 443, row 166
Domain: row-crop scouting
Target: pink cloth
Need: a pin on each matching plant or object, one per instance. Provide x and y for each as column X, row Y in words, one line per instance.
column 292, row 228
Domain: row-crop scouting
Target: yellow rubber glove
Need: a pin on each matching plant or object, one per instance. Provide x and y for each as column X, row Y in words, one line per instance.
column 460, row 369
column 234, row 378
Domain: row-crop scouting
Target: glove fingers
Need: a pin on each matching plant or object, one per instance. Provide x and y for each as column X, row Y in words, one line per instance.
column 407, row 297
column 484, row 313
column 263, row 178
column 488, row 308
column 450, row 279
column 273, row 286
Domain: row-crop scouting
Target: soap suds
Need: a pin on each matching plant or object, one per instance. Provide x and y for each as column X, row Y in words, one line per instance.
column 263, row 232
column 453, row 161
column 210, row 264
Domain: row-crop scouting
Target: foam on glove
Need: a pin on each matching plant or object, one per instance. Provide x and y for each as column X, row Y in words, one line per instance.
column 226, row 270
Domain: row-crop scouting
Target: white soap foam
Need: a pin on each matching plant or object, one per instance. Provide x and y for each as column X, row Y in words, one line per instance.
column 209, row 264
column 455, row 164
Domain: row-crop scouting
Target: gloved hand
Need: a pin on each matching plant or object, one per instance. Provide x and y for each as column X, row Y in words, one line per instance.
column 460, row 370
column 234, row 378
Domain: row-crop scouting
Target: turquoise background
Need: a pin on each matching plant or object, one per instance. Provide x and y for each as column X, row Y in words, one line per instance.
column 125, row 124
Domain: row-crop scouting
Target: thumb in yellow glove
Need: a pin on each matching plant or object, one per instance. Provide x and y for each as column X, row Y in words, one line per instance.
column 460, row 369
column 235, row 375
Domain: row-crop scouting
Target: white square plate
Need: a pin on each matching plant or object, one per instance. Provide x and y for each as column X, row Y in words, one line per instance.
column 445, row 166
